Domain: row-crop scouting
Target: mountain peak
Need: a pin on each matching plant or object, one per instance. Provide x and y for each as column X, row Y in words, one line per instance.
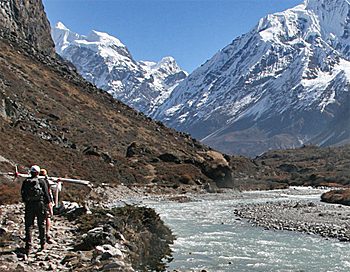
column 106, row 62
column 168, row 63
column 269, row 86
column 63, row 36
column 104, row 38
column 60, row 25
column 329, row 19
column 324, row 4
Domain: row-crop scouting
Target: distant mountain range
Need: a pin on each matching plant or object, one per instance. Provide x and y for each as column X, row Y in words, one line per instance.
column 106, row 62
column 283, row 84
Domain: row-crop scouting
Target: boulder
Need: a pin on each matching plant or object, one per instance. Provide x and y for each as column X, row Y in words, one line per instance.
column 214, row 165
column 341, row 196
column 108, row 251
column 68, row 206
column 114, row 266
column 76, row 212
column 167, row 157
column 136, row 149
column 104, row 235
column 3, row 231
column 106, row 157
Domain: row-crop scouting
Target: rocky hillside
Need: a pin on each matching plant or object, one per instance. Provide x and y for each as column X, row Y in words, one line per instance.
column 27, row 20
column 311, row 165
column 53, row 117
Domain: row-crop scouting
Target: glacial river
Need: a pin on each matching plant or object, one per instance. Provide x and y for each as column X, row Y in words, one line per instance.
column 210, row 237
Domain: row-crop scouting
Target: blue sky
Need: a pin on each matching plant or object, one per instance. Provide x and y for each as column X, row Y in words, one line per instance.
column 191, row 31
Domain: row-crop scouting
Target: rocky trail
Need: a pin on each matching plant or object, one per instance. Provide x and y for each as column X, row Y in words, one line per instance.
column 101, row 246
column 53, row 258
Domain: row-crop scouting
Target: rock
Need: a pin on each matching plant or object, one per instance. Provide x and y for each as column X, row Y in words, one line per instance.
column 106, row 255
column 51, row 267
column 113, row 266
column 27, row 19
column 20, row 267
column 167, row 157
column 3, row 231
column 214, row 165
column 106, row 157
column 91, row 151
column 76, row 212
column 10, row 222
column 108, row 251
column 44, row 265
column 97, row 236
column 67, row 206
column 136, row 149
column 12, row 258
column 131, row 150
column 288, row 168
column 209, row 188
column 341, row 196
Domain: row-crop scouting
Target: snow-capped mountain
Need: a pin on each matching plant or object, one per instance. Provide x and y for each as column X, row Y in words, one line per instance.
column 106, row 62
column 282, row 85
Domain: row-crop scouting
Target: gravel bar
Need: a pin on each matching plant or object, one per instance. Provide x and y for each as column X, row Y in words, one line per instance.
column 316, row 218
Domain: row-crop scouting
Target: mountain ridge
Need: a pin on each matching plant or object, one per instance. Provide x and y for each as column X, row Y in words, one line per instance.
column 279, row 85
column 105, row 61
column 283, row 84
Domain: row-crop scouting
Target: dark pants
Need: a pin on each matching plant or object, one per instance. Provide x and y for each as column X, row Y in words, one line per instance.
column 35, row 209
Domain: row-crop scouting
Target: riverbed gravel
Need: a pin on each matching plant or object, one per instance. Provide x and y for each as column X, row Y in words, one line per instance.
column 311, row 217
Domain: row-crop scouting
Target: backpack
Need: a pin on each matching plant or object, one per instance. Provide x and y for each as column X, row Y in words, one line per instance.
column 34, row 190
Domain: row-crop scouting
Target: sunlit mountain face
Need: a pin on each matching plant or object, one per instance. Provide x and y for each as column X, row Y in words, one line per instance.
column 105, row 61
column 281, row 85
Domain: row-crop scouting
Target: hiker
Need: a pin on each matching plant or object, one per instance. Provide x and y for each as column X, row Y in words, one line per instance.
column 35, row 195
column 43, row 172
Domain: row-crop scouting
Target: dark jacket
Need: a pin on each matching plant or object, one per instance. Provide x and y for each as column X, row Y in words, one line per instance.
column 45, row 190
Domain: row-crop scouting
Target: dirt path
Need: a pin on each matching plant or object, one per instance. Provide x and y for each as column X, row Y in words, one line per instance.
column 52, row 258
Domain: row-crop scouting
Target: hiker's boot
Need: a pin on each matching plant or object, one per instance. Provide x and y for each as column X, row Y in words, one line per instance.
column 26, row 252
column 48, row 240
column 27, row 249
column 42, row 246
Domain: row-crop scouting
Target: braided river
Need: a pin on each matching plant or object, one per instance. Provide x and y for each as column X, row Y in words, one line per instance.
column 210, row 237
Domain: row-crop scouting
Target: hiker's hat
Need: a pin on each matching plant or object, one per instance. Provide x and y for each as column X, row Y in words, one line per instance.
column 35, row 168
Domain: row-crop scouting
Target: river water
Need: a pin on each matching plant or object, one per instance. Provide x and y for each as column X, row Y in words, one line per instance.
column 210, row 237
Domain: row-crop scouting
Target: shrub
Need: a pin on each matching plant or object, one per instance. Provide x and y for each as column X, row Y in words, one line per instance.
column 10, row 193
